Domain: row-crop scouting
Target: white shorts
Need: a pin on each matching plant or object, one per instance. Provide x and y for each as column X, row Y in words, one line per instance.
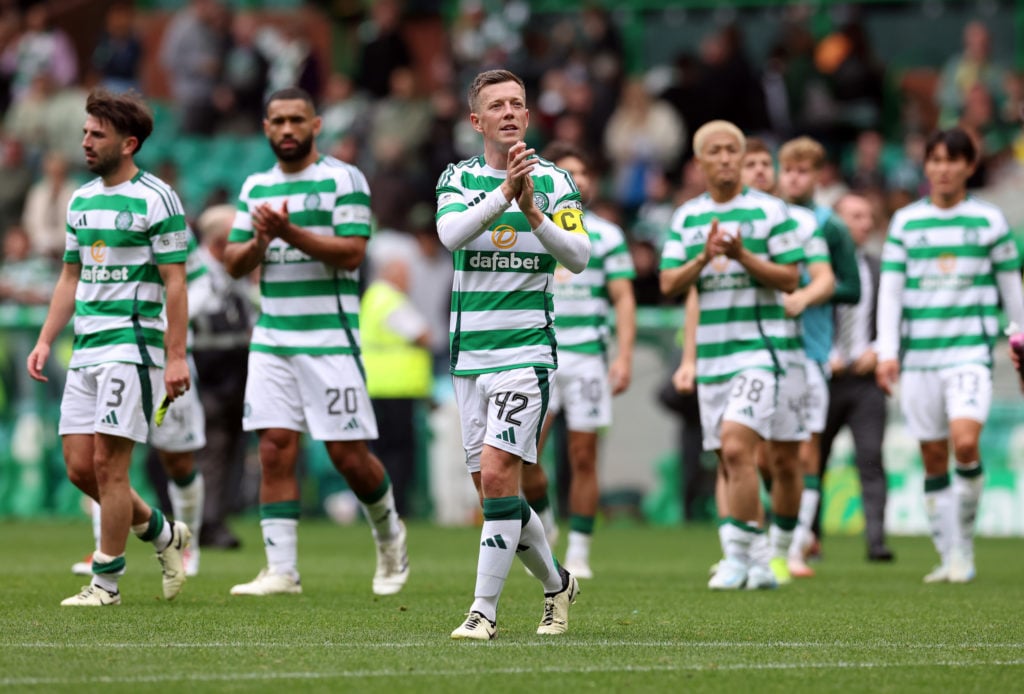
column 789, row 418
column 583, row 391
column 931, row 399
column 110, row 398
column 748, row 398
column 184, row 427
column 816, row 400
column 503, row 409
column 324, row 396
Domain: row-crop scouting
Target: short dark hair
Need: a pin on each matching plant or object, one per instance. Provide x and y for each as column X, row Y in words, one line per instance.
column 560, row 149
column 289, row 94
column 756, row 145
column 127, row 113
column 959, row 145
column 486, row 79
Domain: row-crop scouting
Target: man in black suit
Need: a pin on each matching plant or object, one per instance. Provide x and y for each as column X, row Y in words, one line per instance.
column 856, row 400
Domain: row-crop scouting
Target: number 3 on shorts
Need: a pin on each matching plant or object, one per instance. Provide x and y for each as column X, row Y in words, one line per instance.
column 117, row 394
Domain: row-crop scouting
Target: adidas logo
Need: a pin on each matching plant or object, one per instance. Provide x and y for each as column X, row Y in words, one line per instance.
column 497, row 541
column 747, row 411
column 508, row 436
column 82, row 222
column 593, row 412
column 352, row 425
column 111, row 418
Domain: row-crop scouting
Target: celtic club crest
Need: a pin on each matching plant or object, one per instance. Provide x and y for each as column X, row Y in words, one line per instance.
column 124, row 220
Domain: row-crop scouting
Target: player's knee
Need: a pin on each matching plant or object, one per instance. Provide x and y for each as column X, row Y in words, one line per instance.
column 277, row 453
column 177, row 465
column 82, row 474
column 735, row 454
column 107, row 473
column 583, row 458
column 966, row 449
column 535, row 482
column 495, row 483
column 348, row 457
column 787, row 463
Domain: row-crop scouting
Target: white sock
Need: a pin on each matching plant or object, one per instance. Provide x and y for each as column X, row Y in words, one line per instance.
column 738, row 541
column 579, row 548
column 967, row 486
column 723, row 536
column 281, row 543
column 547, row 518
column 536, row 553
column 383, row 517
column 760, row 550
column 803, row 536
column 97, row 533
column 942, row 519
column 498, row 542
column 106, row 580
column 187, row 502
column 809, row 499
column 780, row 540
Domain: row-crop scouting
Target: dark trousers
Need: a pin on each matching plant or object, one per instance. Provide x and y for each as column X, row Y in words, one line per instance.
column 221, row 386
column 397, row 446
column 858, row 402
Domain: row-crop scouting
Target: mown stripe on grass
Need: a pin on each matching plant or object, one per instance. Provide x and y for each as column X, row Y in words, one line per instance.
column 406, row 673
column 561, row 643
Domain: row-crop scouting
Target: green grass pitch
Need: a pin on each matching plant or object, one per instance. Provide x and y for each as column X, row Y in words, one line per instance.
column 647, row 623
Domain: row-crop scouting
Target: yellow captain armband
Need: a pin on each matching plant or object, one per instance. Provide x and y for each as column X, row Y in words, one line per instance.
column 570, row 220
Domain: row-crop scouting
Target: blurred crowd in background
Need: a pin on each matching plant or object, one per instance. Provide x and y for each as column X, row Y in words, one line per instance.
column 629, row 82
column 390, row 79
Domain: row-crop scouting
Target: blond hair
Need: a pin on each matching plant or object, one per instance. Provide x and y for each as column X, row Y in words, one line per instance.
column 215, row 222
column 716, row 127
column 803, row 149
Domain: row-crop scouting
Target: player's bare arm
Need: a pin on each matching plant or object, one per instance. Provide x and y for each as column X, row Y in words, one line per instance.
column 685, row 377
column 344, row 252
column 620, row 372
column 888, row 320
column 176, row 373
column 785, row 278
column 677, row 281
column 819, row 290
column 62, row 308
column 242, row 258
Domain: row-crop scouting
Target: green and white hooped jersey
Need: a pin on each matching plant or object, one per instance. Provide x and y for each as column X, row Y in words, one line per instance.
column 120, row 235
column 741, row 321
column 307, row 306
column 815, row 251
column 502, row 303
column 581, row 301
column 949, row 259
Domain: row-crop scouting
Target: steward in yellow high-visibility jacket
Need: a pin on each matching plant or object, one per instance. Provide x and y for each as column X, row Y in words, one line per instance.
column 393, row 335
column 399, row 372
